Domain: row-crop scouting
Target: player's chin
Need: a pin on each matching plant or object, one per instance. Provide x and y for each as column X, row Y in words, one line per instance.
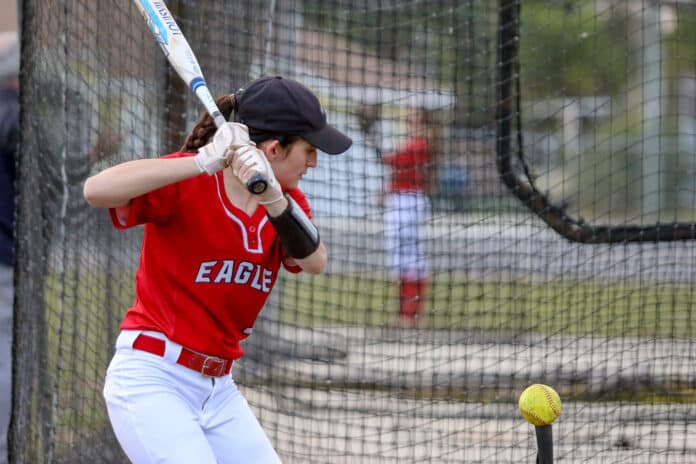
column 293, row 183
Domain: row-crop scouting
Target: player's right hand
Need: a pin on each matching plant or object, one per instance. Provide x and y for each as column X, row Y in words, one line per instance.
column 217, row 154
column 249, row 161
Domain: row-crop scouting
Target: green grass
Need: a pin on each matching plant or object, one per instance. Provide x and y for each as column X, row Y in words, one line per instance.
column 602, row 308
column 83, row 306
column 83, row 311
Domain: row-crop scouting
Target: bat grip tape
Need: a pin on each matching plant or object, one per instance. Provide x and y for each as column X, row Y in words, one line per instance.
column 296, row 232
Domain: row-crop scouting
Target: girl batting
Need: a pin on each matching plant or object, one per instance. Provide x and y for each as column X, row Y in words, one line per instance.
column 210, row 256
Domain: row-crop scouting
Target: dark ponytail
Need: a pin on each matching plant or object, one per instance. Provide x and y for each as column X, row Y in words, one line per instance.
column 205, row 126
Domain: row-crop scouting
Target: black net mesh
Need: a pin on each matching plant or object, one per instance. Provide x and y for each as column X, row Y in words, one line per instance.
column 585, row 111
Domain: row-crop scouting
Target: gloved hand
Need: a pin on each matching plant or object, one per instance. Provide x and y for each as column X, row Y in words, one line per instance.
column 216, row 155
column 249, row 161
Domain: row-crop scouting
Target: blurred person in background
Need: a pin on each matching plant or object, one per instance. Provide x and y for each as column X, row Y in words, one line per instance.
column 407, row 209
column 9, row 140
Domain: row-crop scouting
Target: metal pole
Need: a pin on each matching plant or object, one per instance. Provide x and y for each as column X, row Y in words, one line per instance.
column 652, row 110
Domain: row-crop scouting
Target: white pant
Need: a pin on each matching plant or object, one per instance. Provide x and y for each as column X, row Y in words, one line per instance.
column 405, row 218
column 163, row 412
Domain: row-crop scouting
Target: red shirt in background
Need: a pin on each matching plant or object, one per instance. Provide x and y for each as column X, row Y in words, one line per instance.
column 409, row 166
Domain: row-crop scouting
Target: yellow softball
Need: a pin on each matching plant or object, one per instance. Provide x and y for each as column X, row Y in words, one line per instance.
column 540, row 404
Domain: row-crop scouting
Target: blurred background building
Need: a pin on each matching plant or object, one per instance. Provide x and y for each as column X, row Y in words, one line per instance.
column 8, row 19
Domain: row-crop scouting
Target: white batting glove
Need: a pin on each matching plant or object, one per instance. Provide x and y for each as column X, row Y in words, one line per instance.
column 216, row 155
column 249, row 161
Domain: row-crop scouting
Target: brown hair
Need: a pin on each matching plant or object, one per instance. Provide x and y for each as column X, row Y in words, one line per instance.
column 205, row 127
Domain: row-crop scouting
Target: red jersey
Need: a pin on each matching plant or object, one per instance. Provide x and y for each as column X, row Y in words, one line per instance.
column 409, row 166
column 206, row 267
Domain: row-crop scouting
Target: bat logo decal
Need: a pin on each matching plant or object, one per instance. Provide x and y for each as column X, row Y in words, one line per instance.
column 155, row 24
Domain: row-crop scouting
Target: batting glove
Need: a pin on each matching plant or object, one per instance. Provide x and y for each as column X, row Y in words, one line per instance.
column 216, row 155
column 248, row 162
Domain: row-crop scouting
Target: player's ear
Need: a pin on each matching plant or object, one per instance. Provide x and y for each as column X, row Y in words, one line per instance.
column 273, row 150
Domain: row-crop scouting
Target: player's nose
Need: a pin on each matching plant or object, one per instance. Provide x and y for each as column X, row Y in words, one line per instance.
column 312, row 160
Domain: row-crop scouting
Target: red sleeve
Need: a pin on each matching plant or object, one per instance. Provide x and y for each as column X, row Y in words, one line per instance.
column 155, row 206
column 290, row 264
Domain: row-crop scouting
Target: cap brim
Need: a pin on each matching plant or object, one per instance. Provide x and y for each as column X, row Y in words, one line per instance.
column 329, row 140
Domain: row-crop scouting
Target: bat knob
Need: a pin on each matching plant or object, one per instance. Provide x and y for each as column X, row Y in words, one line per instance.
column 257, row 185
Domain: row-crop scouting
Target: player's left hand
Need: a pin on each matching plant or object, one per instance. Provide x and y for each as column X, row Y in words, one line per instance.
column 250, row 161
column 215, row 155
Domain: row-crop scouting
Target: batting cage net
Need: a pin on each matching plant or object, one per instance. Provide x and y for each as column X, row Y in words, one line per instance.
column 547, row 225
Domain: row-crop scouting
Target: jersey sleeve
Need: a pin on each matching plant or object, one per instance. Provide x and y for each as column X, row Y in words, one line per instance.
column 290, row 264
column 155, row 206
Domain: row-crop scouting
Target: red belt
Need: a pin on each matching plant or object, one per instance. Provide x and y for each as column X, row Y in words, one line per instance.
column 210, row 366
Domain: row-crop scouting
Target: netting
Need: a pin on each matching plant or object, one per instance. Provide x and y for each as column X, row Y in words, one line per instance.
column 563, row 140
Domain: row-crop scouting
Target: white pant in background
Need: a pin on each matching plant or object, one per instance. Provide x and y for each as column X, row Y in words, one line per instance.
column 405, row 217
column 163, row 412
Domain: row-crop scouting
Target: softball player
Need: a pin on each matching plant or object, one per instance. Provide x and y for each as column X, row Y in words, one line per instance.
column 210, row 256
column 406, row 210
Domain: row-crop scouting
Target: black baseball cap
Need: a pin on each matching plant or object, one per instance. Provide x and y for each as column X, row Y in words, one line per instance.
column 277, row 105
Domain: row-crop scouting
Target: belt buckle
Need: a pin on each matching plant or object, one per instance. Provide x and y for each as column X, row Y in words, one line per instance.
column 217, row 368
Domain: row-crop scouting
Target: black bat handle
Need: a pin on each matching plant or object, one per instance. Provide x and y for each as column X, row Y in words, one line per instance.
column 257, row 185
column 544, row 437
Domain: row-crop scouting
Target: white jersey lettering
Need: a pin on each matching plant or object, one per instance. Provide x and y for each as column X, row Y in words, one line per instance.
column 243, row 272
column 204, row 271
column 225, row 272
column 266, row 285
column 256, row 282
